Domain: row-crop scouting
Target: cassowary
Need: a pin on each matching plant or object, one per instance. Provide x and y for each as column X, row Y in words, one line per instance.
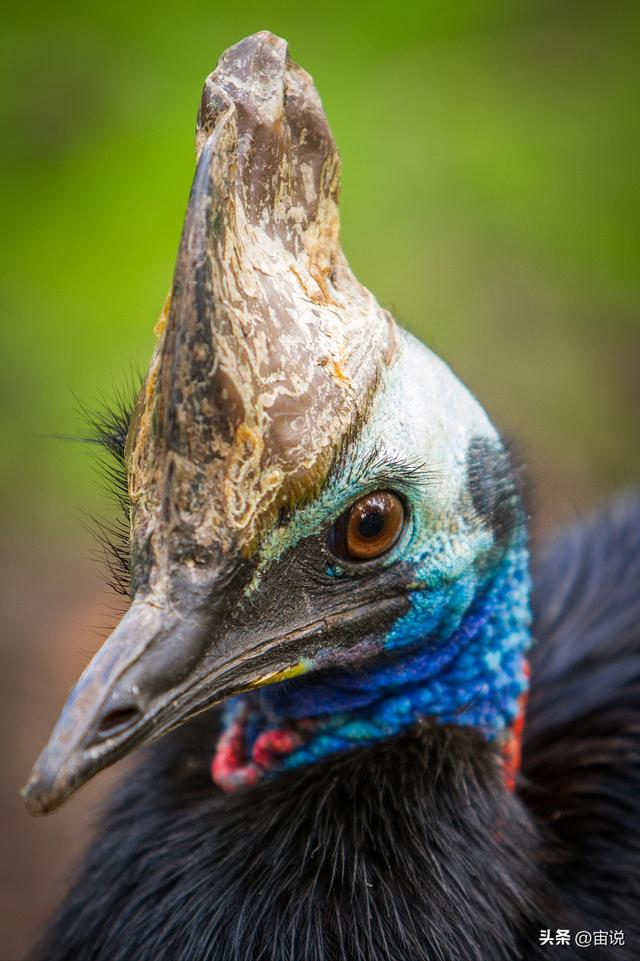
column 326, row 535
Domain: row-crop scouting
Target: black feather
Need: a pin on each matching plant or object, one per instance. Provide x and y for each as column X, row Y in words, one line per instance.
column 412, row 849
column 582, row 753
column 108, row 425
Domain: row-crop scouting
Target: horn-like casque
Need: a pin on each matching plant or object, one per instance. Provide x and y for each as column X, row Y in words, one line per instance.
column 271, row 347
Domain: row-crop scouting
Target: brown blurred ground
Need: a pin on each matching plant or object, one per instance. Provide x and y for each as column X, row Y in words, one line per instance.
column 49, row 602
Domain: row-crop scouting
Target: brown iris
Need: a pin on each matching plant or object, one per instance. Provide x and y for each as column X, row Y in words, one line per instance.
column 370, row 527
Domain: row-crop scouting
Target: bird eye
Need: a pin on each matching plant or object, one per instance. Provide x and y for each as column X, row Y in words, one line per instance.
column 369, row 528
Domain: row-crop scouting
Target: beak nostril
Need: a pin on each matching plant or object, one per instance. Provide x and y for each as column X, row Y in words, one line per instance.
column 120, row 718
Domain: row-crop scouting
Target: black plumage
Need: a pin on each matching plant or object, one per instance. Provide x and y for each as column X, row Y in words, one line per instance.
column 412, row 849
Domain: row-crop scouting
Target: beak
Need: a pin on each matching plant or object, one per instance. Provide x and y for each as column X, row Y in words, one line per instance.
column 160, row 668
column 157, row 670
column 131, row 692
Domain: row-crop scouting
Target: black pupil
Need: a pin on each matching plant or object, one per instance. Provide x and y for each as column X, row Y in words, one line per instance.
column 371, row 524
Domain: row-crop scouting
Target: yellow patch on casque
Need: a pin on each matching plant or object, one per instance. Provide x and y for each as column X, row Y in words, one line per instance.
column 300, row 668
column 161, row 322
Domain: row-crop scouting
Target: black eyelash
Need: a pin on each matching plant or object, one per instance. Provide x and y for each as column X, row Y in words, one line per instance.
column 379, row 470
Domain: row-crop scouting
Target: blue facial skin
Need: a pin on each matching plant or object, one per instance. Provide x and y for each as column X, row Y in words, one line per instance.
column 459, row 654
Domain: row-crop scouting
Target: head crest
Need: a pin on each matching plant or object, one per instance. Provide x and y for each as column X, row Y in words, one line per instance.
column 271, row 348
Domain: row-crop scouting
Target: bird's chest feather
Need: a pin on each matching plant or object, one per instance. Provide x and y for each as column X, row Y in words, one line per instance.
column 412, row 849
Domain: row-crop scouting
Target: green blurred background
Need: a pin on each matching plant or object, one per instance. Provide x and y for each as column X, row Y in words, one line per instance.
column 490, row 198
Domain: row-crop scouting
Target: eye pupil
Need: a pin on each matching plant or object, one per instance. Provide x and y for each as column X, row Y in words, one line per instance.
column 371, row 524
column 369, row 528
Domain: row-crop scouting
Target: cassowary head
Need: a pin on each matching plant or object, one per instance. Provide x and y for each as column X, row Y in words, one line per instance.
column 314, row 496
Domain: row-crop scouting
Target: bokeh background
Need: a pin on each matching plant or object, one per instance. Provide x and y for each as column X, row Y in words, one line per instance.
column 490, row 198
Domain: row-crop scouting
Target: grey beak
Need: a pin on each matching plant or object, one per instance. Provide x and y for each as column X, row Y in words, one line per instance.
column 115, row 704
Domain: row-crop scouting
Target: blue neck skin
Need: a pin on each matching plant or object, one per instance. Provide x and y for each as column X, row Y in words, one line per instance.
column 468, row 668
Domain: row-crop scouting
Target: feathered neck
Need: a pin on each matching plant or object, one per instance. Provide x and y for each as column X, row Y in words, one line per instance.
column 474, row 675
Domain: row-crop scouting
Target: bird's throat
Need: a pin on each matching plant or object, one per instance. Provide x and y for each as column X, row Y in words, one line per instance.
column 476, row 676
